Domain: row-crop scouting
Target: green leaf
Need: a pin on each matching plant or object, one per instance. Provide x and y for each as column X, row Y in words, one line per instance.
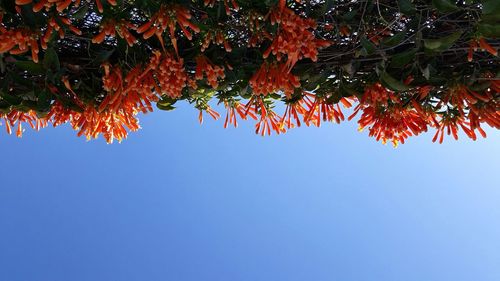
column 406, row 7
column 350, row 15
column 395, row 39
column 489, row 30
column 51, row 60
column 166, row 103
column 368, row 46
column 12, row 100
column 402, row 59
column 445, row 6
column 30, row 66
column 81, row 12
column 490, row 11
column 441, row 44
column 103, row 56
column 43, row 102
column 391, row 83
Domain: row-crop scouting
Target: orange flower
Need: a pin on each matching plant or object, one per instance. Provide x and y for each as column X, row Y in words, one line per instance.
column 216, row 37
column 215, row 115
column 15, row 117
column 268, row 121
column 387, row 117
column 321, row 108
column 480, row 42
column 235, row 6
column 167, row 18
column 295, row 108
column 235, row 107
column 295, row 38
column 54, row 24
column 60, row 5
column 111, row 27
column 272, row 78
column 132, row 93
column 169, row 73
column 19, row 41
column 205, row 68
column 111, row 125
column 450, row 123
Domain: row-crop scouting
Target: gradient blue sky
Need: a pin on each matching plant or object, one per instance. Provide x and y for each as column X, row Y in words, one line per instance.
column 180, row 201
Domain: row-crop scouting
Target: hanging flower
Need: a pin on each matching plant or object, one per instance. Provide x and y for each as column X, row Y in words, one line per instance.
column 17, row 118
column 269, row 120
column 272, row 78
column 295, row 38
column 169, row 74
column 19, row 41
column 386, row 116
column 112, row 27
column 228, row 8
column 205, row 68
column 167, row 18
column 322, row 109
column 216, row 37
column 236, row 108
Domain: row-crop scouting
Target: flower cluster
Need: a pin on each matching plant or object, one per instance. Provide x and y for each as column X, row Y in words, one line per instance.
column 482, row 44
column 19, row 41
column 17, row 118
column 236, row 108
column 271, row 78
column 169, row 74
column 213, row 72
column 167, row 18
column 216, row 37
column 268, row 121
column 234, row 5
column 295, row 38
column 132, row 93
column 54, row 24
column 389, row 119
column 112, row 27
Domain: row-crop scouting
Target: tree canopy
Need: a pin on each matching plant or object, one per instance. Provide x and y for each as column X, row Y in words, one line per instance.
column 404, row 66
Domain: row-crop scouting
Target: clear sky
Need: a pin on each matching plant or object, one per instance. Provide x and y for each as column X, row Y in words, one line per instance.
column 180, row 201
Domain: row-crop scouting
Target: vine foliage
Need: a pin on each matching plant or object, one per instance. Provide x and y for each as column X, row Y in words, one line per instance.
column 403, row 67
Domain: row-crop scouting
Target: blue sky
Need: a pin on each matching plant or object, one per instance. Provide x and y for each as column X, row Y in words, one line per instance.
column 180, row 201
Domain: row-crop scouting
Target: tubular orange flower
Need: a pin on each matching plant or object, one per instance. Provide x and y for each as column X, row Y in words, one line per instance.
column 132, row 93
column 235, row 107
column 19, row 41
column 228, row 8
column 205, row 68
column 167, row 18
column 269, row 120
column 271, row 78
column 54, row 24
column 216, row 37
column 111, row 27
column 15, row 117
column 215, row 115
column 387, row 117
column 111, row 125
column 60, row 5
column 321, row 108
column 450, row 123
column 295, row 108
column 480, row 42
column 99, row 4
column 169, row 73
column 295, row 38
